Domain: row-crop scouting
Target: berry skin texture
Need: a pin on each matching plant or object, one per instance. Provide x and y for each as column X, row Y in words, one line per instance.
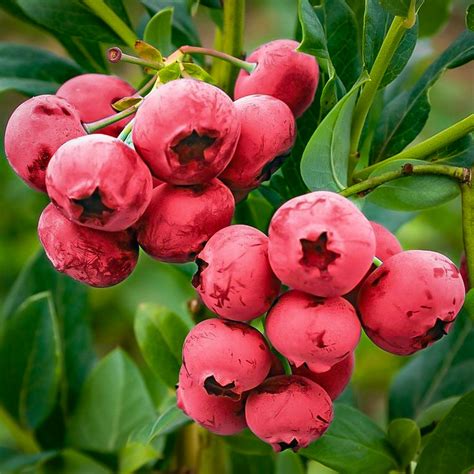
column 180, row 220
column 234, row 277
column 36, row 129
column 323, row 331
column 99, row 182
column 411, row 301
column 93, row 96
column 221, row 415
column 288, row 412
column 90, row 256
column 281, row 72
column 320, row 243
column 268, row 132
column 335, row 380
column 227, row 358
column 186, row 131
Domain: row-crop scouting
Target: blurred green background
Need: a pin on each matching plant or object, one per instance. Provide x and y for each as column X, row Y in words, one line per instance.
column 111, row 311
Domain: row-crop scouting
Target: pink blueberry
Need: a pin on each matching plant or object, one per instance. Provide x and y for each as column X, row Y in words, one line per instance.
column 99, row 182
column 313, row 330
column 221, row 415
column 288, row 412
column 227, row 358
column 36, row 129
column 91, row 256
column 320, row 243
column 281, row 72
column 234, row 277
column 267, row 135
column 181, row 219
column 93, row 96
column 186, row 131
column 335, row 380
column 411, row 301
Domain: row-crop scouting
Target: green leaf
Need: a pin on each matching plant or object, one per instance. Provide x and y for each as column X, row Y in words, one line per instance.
column 113, row 402
column 400, row 7
column 30, row 361
column 458, row 153
column 343, row 41
column 148, row 52
column 353, row 444
column 12, row 461
column 169, row 73
column 448, row 447
column 429, row 418
column 314, row 42
column 440, row 371
column 325, row 158
column 242, row 463
column 160, row 334
column 433, row 15
column 247, row 443
column 412, row 193
column 197, row 72
column 392, row 220
column 70, row 302
column 33, row 71
column 404, row 435
column 470, row 17
column 70, row 18
column 74, row 462
column 183, row 28
column 405, row 115
column 377, row 22
column 169, row 421
column 289, row 462
column 135, row 455
column 158, row 31
column 255, row 211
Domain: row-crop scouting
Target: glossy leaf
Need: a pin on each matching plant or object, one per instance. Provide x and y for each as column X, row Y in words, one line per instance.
column 377, row 21
column 392, row 220
column 325, row 158
column 148, row 52
column 247, row 443
column 429, row 418
column 33, row 71
column 12, row 461
column 169, row 73
column 183, row 29
column 470, row 17
column 343, row 41
column 412, row 193
column 400, row 7
column 114, row 402
column 158, row 31
column 70, row 303
column 30, row 361
column 289, row 462
column 74, row 462
column 135, row 455
column 71, row 18
column 433, row 15
column 406, row 114
column 353, row 444
column 196, row 72
column 167, row 422
column 404, row 435
column 440, row 371
column 458, row 153
column 160, row 334
column 448, row 448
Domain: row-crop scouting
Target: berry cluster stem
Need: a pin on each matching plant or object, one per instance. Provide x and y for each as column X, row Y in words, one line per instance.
column 467, row 196
column 229, row 59
column 92, row 127
column 427, row 147
column 463, row 175
column 382, row 61
column 108, row 16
